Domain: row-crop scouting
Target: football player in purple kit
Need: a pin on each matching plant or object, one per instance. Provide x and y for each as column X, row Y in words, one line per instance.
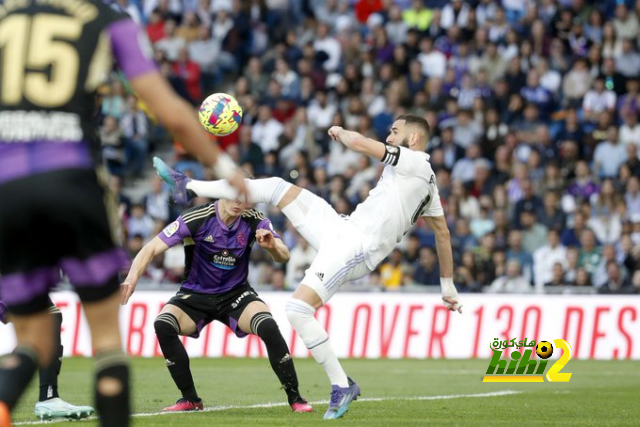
column 49, row 404
column 217, row 238
column 55, row 210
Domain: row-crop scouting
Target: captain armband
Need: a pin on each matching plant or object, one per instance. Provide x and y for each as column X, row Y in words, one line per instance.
column 391, row 155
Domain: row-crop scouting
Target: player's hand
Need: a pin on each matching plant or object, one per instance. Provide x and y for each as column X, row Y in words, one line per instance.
column 265, row 239
column 126, row 290
column 237, row 181
column 452, row 303
column 333, row 132
column 450, row 295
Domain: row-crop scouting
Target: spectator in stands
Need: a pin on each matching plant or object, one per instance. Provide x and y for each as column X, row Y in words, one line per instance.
column 426, row 270
column 266, row 130
column 583, row 186
column 112, row 146
column 546, row 257
column 632, row 195
column 391, row 272
column 616, row 280
column 140, row 223
column 590, row 254
column 135, row 131
column 529, row 202
column 157, row 203
column 171, row 43
column 512, row 282
column 534, row 234
column 557, row 276
column 598, row 99
column 551, row 215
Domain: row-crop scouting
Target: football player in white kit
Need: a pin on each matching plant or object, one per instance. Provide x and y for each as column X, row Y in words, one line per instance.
column 348, row 247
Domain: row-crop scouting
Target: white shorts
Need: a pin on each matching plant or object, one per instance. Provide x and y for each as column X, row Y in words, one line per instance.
column 338, row 241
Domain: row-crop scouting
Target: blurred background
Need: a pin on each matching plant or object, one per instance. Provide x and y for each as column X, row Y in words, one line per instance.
column 533, row 107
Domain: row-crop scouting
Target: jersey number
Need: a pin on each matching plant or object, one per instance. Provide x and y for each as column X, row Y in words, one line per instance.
column 421, row 206
column 39, row 62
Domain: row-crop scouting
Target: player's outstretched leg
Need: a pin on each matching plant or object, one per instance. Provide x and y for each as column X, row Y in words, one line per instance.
column 167, row 329
column 301, row 316
column 257, row 320
column 268, row 190
column 49, row 404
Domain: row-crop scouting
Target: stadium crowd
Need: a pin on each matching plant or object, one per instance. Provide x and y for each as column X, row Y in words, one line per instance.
column 534, row 108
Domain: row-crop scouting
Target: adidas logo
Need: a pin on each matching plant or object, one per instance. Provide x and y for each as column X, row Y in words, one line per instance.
column 169, row 362
column 320, row 276
column 209, row 238
column 286, row 358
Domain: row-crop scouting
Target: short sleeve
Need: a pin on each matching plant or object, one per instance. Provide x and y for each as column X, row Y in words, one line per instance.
column 175, row 232
column 434, row 207
column 266, row 224
column 131, row 48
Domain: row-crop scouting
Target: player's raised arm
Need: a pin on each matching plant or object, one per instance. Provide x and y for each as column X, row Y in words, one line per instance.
column 358, row 143
column 445, row 258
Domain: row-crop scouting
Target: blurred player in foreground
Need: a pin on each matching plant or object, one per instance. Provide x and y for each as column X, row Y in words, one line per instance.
column 49, row 404
column 349, row 247
column 55, row 212
column 218, row 238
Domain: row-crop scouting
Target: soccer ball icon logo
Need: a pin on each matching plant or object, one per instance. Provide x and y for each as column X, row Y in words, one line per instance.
column 544, row 349
column 220, row 114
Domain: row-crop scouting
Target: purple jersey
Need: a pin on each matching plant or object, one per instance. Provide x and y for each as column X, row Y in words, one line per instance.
column 47, row 95
column 217, row 256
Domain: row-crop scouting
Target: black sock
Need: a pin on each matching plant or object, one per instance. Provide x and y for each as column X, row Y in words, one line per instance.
column 263, row 325
column 112, row 388
column 175, row 356
column 16, row 371
column 49, row 375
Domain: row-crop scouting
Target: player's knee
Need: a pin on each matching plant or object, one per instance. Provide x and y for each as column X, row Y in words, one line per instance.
column 262, row 323
column 298, row 312
column 166, row 325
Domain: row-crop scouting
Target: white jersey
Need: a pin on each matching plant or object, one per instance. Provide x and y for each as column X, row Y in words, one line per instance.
column 406, row 191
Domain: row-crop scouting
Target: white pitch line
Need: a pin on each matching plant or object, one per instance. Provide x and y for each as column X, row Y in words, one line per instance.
column 277, row 404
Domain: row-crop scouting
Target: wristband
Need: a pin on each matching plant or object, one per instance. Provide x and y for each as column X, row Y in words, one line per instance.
column 446, row 284
column 224, row 167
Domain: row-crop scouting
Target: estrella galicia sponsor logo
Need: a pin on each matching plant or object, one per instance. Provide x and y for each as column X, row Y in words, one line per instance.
column 524, row 368
column 224, row 260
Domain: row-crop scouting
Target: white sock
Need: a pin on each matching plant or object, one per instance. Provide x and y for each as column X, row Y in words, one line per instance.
column 300, row 314
column 268, row 190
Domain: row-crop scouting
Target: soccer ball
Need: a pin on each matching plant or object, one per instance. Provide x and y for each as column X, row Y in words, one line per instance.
column 220, row 114
column 544, row 349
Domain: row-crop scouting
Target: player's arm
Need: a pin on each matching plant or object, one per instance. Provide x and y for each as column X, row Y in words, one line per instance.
column 445, row 258
column 140, row 263
column 274, row 245
column 358, row 143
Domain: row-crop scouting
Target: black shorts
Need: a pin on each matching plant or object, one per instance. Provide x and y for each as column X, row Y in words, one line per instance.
column 59, row 220
column 205, row 308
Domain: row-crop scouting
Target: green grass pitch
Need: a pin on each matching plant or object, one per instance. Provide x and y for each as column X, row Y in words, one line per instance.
column 394, row 393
